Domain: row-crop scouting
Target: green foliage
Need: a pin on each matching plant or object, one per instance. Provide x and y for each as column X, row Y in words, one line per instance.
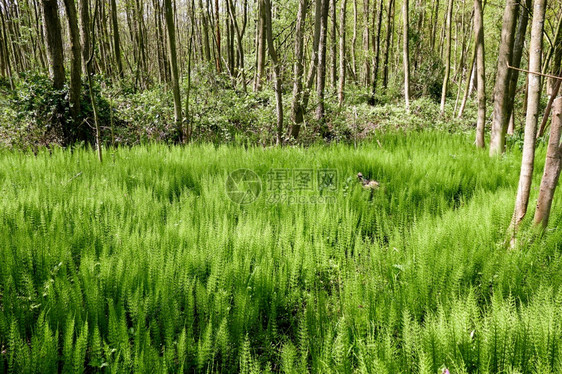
column 142, row 264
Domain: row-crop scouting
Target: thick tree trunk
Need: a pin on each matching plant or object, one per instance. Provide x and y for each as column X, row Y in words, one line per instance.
column 297, row 112
column 447, row 56
column 480, row 72
column 341, row 87
column 54, row 42
column 528, row 158
column 551, row 168
column 75, row 60
column 170, row 26
column 406, row 54
column 503, row 75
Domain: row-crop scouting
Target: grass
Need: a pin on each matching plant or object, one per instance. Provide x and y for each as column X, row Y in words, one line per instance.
column 143, row 264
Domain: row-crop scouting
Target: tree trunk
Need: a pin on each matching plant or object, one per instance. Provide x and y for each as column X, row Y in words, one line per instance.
column 387, row 43
column 434, row 18
column 447, row 56
column 276, row 71
column 377, row 53
column 551, row 168
column 406, row 56
column 333, row 65
column 260, row 46
column 75, row 60
column 480, row 73
column 341, row 88
column 321, row 71
column 205, row 22
column 218, row 37
column 170, row 26
column 116, row 39
column 297, row 112
column 518, row 45
column 503, row 75
column 528, row 158
column 54, row 42
column 85, row 33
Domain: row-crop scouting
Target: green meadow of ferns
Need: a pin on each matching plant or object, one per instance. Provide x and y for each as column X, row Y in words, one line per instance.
column 142, row 264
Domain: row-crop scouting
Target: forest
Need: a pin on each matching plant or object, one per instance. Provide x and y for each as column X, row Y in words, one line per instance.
column 258, row 186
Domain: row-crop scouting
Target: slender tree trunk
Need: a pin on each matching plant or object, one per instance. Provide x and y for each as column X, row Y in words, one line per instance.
column 447, row 56
column 516, row 61
column 297, row 111
column 170, row 26
column 260, row 46
column 528, row 158
column 116, row 39
column 205, row 22
column 239, row 42
column 377, row 53
column 85, row 32
column 434, row 18
column 333, row 65
column 276, row 71
column 218, row 37
column 387, row 43
column 503, row 75
column 321, row 72
column 354, row 41
column 341, row 88
column 406, row 56
column 480, row 72
column 551, row 168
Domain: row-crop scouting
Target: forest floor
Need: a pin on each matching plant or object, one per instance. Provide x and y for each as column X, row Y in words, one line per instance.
column 149, row 262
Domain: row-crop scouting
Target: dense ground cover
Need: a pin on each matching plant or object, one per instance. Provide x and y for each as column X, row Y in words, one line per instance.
column 143, row 264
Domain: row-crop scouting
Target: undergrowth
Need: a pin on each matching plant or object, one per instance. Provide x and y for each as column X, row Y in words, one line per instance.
column 142, row 264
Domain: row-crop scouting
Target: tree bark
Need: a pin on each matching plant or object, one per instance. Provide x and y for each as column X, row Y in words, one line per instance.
column 75, row 60
column 260, row 46
column 276, row 71
column 551, row 168
column 341, row 87
column 516, row 61
column 116, row 39
column 528, row 158
column 377, row 53
column 85, row 33
column 503, row 75
column 333, row 65
column 297, row 112
column 406, row 54
column 172, row 54
column 447, row 57
column 387, row 43
column 53, row 35
column 480, row 73
column 321, row 70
